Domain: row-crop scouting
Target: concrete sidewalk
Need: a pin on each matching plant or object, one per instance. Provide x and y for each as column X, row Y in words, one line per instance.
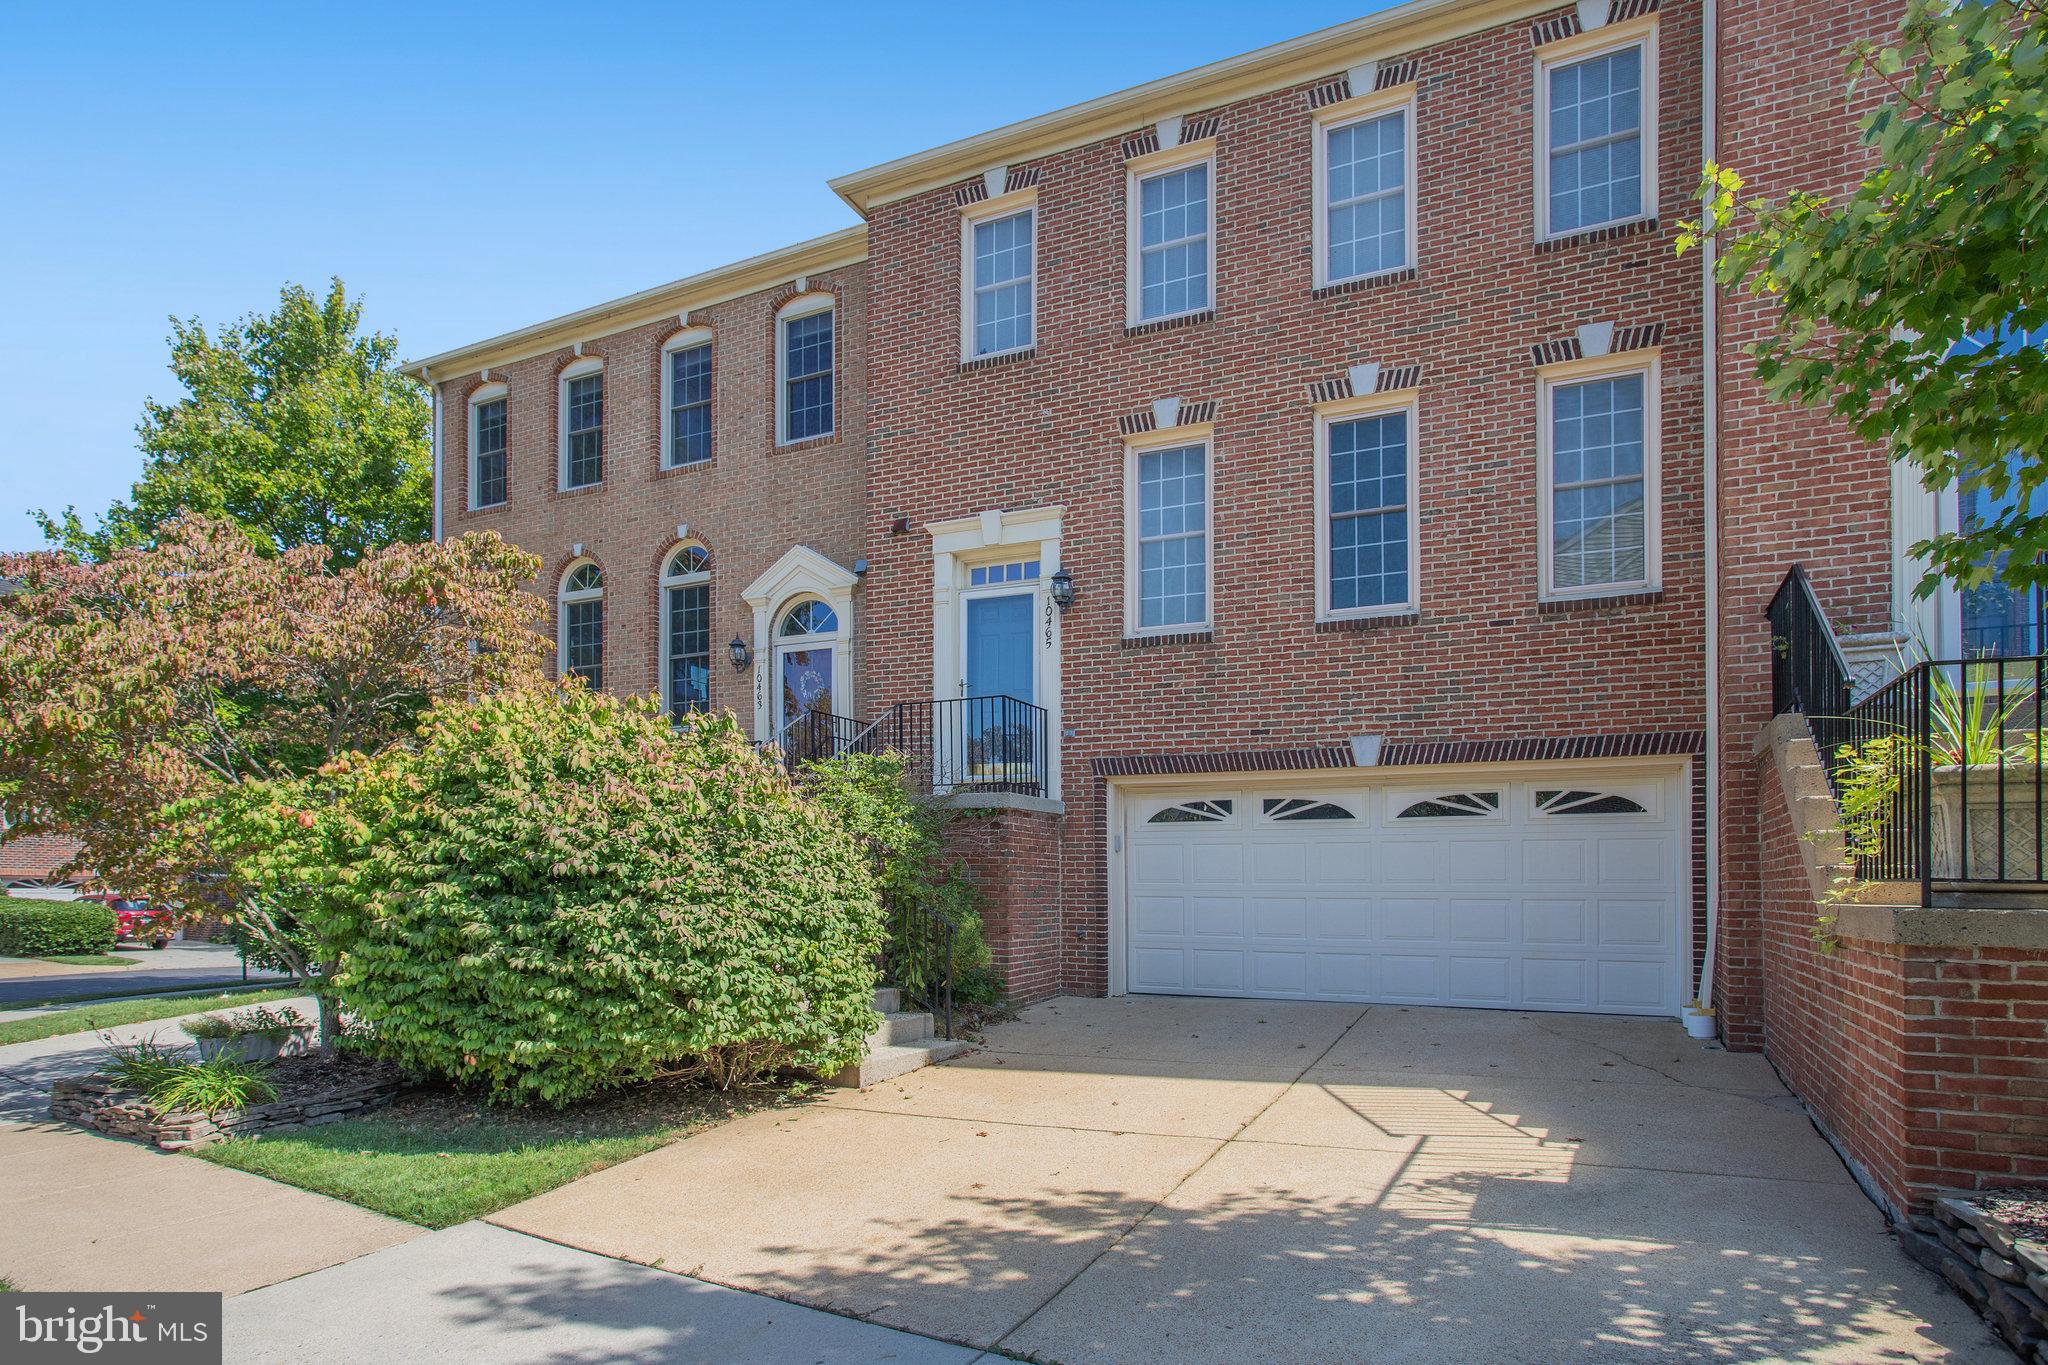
column 81, row 1211
column 477, row 1292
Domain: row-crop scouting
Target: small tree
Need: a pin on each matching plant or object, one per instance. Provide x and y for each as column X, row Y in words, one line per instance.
column 295, row 426
column 136, row 691
column 1886, row 295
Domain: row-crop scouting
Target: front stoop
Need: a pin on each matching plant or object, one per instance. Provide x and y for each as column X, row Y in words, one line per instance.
column 902, row 1044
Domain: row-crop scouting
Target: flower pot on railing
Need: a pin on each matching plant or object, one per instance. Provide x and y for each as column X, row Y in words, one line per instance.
column 1973, row 853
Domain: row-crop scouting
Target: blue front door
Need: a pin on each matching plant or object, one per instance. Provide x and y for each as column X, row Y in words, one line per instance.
column 999, row 646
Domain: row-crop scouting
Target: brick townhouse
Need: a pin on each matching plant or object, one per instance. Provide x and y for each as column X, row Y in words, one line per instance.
column 1308, row 509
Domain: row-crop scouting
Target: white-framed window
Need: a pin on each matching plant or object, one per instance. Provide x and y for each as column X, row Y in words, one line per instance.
column 1169, row 585
column 1171, row 231
column 579, row 641
column 1367, row 526
column 686, row 629
column 580, row 402
column 1596, row 130
column 686, row 399
column 999, row 283
column 1365, row 187
column 1597, row 438
column 488, row 468
column 804, row 365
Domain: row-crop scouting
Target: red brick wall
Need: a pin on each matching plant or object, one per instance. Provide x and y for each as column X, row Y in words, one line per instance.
column 749, row 504
column 1796, row 486
column 1930, row 1065
column 1482, row 662
column 1014, row 858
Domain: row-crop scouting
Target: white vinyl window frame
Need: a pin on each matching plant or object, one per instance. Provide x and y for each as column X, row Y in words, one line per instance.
column 482, row 395
column 672, row 578
column 1136, row 172
column 566, row 597
column 1398, row 101
column 1563, row 52
column 803, row 306
column 581, row 369
column 685, row 341
column 1352, row 409
column 977, row 215
column 1549, row 379
column 1199, row 434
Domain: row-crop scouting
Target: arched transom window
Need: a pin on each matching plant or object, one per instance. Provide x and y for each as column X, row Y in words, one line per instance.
column 809, row 617
column 686, row 629
column 581, row 641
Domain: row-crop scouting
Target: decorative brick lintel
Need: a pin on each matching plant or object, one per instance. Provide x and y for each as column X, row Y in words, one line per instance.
column 1652, row 743
column 1358, row 623
column 1168, row 324
column 1190, row 637
column 1566, row 605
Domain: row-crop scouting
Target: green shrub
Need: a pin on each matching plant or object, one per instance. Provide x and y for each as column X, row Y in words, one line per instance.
column 31, row 928
column 557, row 892
column 905, row 839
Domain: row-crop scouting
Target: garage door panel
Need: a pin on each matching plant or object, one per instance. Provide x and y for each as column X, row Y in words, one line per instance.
column 1490, row 897
column 1480, row 980
column 1546, row 921
column 1413, row 918
column 1412, row 860
column 1158, row 916
column 1481, row 921
column 1280, row 973
column 1558, row 982
column 1217, row 915
column 1480, row 862
column 1216, row 864
column 1216, row 970
column 1411, row 976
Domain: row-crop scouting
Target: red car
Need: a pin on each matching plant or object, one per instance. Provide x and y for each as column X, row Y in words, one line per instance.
column 134, row 921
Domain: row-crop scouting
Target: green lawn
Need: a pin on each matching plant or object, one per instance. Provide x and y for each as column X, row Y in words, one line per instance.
column 438, row 1159
column 7, row 1287
column 107, row 1013
column 90, row 960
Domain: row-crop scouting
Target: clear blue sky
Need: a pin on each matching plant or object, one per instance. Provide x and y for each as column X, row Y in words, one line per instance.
column 465, row 172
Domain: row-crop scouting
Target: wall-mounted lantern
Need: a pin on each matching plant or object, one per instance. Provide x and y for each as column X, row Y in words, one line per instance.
column 741, row 655
column 1062, row 586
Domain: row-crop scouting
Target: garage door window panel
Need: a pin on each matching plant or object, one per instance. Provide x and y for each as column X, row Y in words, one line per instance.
column 1560, row 801
column 1192, row 812
column 1304, row 808
column 1450, row 806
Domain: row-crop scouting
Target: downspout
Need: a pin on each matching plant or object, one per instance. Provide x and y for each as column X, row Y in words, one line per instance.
column 434, row 442
column 1710, row 367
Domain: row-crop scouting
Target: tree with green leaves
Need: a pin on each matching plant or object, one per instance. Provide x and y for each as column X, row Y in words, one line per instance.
column 142, row 694
column 1916, row 306
column 295, row 425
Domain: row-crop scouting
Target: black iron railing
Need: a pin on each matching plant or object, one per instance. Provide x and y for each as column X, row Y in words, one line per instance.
column 917, row 957
column 965, row 744
column 1938, row 774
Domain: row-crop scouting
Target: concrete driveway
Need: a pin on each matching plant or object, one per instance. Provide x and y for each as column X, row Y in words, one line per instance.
column 175, row 967
column 1150, row 1179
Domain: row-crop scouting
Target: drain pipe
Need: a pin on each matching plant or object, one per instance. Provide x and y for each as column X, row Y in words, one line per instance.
column 1710, row 371
column 434, row 441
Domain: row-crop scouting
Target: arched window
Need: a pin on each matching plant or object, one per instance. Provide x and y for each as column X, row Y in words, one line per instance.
column 580, row 641
column 686, row 629
column 809, row 617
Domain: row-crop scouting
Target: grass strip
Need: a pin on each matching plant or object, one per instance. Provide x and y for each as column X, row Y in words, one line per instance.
column 108, row 1014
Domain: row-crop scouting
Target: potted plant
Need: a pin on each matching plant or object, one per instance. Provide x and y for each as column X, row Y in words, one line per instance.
column 252, row 1035
column 1984, row 759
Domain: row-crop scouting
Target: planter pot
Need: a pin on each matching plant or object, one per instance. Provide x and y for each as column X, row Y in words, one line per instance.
column 1957, row 853
column 1699, row 1023
column 258, row 1047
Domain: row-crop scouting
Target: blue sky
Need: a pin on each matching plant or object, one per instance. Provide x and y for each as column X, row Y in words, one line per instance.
column 465, row 172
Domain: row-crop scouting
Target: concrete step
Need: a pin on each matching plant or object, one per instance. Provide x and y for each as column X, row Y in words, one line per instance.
column 888, row 1000
column 903, row 1026
column 886, row 1061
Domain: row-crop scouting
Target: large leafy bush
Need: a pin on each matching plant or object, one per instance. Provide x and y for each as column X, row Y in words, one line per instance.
column 31, row 928
column 555, row 892
column 920, row 883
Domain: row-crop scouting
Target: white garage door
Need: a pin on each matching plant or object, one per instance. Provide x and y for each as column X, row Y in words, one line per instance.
column 1555, row 893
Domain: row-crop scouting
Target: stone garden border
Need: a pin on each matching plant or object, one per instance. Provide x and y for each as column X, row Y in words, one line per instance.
column 2003, row 1274
column 108, row 1108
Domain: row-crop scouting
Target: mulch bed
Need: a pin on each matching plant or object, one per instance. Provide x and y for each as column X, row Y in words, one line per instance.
column 2022, row 1209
